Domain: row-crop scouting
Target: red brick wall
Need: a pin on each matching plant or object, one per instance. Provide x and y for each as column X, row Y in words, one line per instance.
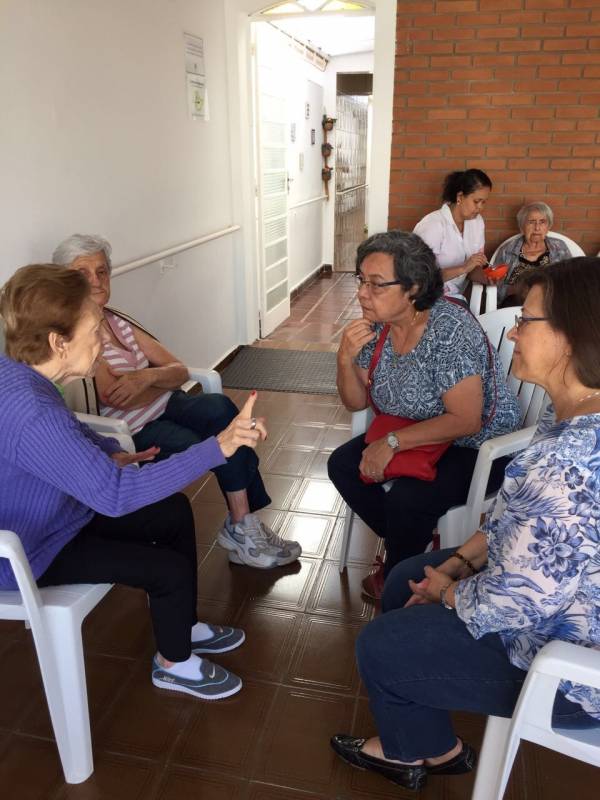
column 511, row 87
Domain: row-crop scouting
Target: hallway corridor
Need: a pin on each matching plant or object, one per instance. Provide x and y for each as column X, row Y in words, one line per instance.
column 270, row 742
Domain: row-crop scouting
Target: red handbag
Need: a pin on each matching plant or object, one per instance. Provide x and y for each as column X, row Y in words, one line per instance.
column 418, row 462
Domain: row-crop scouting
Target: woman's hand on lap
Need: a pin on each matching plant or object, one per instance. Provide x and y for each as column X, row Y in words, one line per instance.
column 126, row 387
column 243, row 430
column 375, row 458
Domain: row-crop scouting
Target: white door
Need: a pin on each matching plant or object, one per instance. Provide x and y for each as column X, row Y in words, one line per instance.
column 271, row 138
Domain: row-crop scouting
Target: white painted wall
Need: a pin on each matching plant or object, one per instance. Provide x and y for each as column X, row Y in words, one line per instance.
column 96, row 137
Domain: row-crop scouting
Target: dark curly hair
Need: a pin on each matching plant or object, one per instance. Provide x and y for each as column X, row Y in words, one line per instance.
column 466, row 181
column 414, row 263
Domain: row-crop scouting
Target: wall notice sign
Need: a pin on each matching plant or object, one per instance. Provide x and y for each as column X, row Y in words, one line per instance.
column 195, row 77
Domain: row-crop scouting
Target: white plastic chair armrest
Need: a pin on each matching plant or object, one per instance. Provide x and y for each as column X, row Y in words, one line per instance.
column 360, row 421
column 488, row 452
column 507, row 444
column 476, row 295
column 208, row 378
column 105, row 425
column 491, row 298
column 569, row 661
column 124, row 439
column 11, row 548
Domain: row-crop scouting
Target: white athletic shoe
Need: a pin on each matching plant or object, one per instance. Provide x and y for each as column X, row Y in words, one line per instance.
column 253, row 543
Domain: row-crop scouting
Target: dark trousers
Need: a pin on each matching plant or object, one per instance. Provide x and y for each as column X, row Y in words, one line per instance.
column 420, row 663
column 153, row 549
column 406, row 515
column 188, row 420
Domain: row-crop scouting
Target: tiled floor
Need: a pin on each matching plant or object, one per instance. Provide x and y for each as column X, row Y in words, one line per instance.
column 270, row 742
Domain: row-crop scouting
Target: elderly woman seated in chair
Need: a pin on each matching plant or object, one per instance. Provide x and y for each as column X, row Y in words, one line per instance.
column 460, row 629
column 138, row 380
column 532, row 249
column 82, row 511
column 419, row 356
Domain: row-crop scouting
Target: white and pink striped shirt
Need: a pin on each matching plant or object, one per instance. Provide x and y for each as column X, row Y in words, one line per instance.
column 127, row 358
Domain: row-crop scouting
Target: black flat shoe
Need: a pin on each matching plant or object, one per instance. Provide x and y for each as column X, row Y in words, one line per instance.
column 349, row 749
column 464, row 762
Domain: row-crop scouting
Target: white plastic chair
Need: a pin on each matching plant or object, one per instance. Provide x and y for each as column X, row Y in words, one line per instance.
column 55, row 615
column 460, row 522
column 209, row 379
column 533, row 715
column 491, row 292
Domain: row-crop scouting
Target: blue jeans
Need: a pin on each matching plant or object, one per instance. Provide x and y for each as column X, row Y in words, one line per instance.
column 188, row 420
column 420, row 663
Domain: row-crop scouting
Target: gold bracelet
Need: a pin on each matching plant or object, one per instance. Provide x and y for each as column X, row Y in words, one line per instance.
column 466, row 562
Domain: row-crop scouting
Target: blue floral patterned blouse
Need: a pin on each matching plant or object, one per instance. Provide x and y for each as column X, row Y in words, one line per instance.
column 453, row 347
column 542, row 580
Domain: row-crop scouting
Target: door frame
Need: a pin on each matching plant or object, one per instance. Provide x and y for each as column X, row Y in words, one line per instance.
column 243, row 154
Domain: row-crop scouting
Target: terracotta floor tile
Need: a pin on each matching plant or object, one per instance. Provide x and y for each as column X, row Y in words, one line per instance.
column 322, row 413
column 318, row 465
column 288, row 461
column 334, row 437
column 20, row 663
column 317, row 495
column 312, row 531
column 287, row 588
column 306, row 435
column 282, row 489
column 261, row 791
column 324, row 656
column 185, row 784
column 146, row 721
column 340, row 595
column 223, row 737
column 294, row 750
column 30, row 769
column 208, row 518
column 271, row 635
column 210, row 492
column 364, row 544
column 114, row 778
column 106, row 679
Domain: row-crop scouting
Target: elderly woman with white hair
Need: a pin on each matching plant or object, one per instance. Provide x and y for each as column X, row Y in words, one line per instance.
column 138, row 380
column 532, row 249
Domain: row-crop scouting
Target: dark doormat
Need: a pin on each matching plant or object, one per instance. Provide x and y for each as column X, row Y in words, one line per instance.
column 282, row 371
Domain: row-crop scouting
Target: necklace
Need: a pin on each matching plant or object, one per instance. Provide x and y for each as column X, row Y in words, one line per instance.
column 588, row 396
column 398, row 356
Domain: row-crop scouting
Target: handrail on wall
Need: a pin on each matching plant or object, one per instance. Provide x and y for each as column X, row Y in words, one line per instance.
column 307, row 202
column 171, row 251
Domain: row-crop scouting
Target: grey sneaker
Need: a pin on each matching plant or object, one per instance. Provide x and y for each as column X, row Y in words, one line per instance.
column 222, row 640
column 251, row 542
column 213, row 682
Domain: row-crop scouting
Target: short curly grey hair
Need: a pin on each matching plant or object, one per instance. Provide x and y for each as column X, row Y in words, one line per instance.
column 525, row 210
column 81, row 245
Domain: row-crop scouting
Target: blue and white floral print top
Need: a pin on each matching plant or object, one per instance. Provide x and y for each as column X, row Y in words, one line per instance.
column 453, row 347
column 542, row 580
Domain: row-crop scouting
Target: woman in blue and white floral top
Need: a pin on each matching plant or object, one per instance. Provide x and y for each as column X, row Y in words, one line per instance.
column 460, row 629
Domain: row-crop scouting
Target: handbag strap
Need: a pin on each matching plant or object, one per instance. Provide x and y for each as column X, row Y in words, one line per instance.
column 374, row 361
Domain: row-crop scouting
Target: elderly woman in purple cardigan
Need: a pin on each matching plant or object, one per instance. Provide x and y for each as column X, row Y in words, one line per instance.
column 83, row 511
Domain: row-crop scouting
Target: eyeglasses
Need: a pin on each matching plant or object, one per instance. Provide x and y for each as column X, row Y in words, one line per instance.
column 376, row 288
column 523, row 320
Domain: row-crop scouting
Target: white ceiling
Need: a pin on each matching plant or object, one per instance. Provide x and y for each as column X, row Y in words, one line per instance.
column 333, row 35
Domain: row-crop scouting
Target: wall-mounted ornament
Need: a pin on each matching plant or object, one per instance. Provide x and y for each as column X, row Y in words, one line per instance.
column 307, row 110
column 293, row 132
column 326, row 149
column 313, row 136
column 328, row 122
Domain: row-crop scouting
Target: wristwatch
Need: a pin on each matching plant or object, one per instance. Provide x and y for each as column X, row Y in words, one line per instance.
column 443, row 600
column 393, row 442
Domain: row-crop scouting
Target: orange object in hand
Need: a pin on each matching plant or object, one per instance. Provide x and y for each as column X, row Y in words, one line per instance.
column 497, row 272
